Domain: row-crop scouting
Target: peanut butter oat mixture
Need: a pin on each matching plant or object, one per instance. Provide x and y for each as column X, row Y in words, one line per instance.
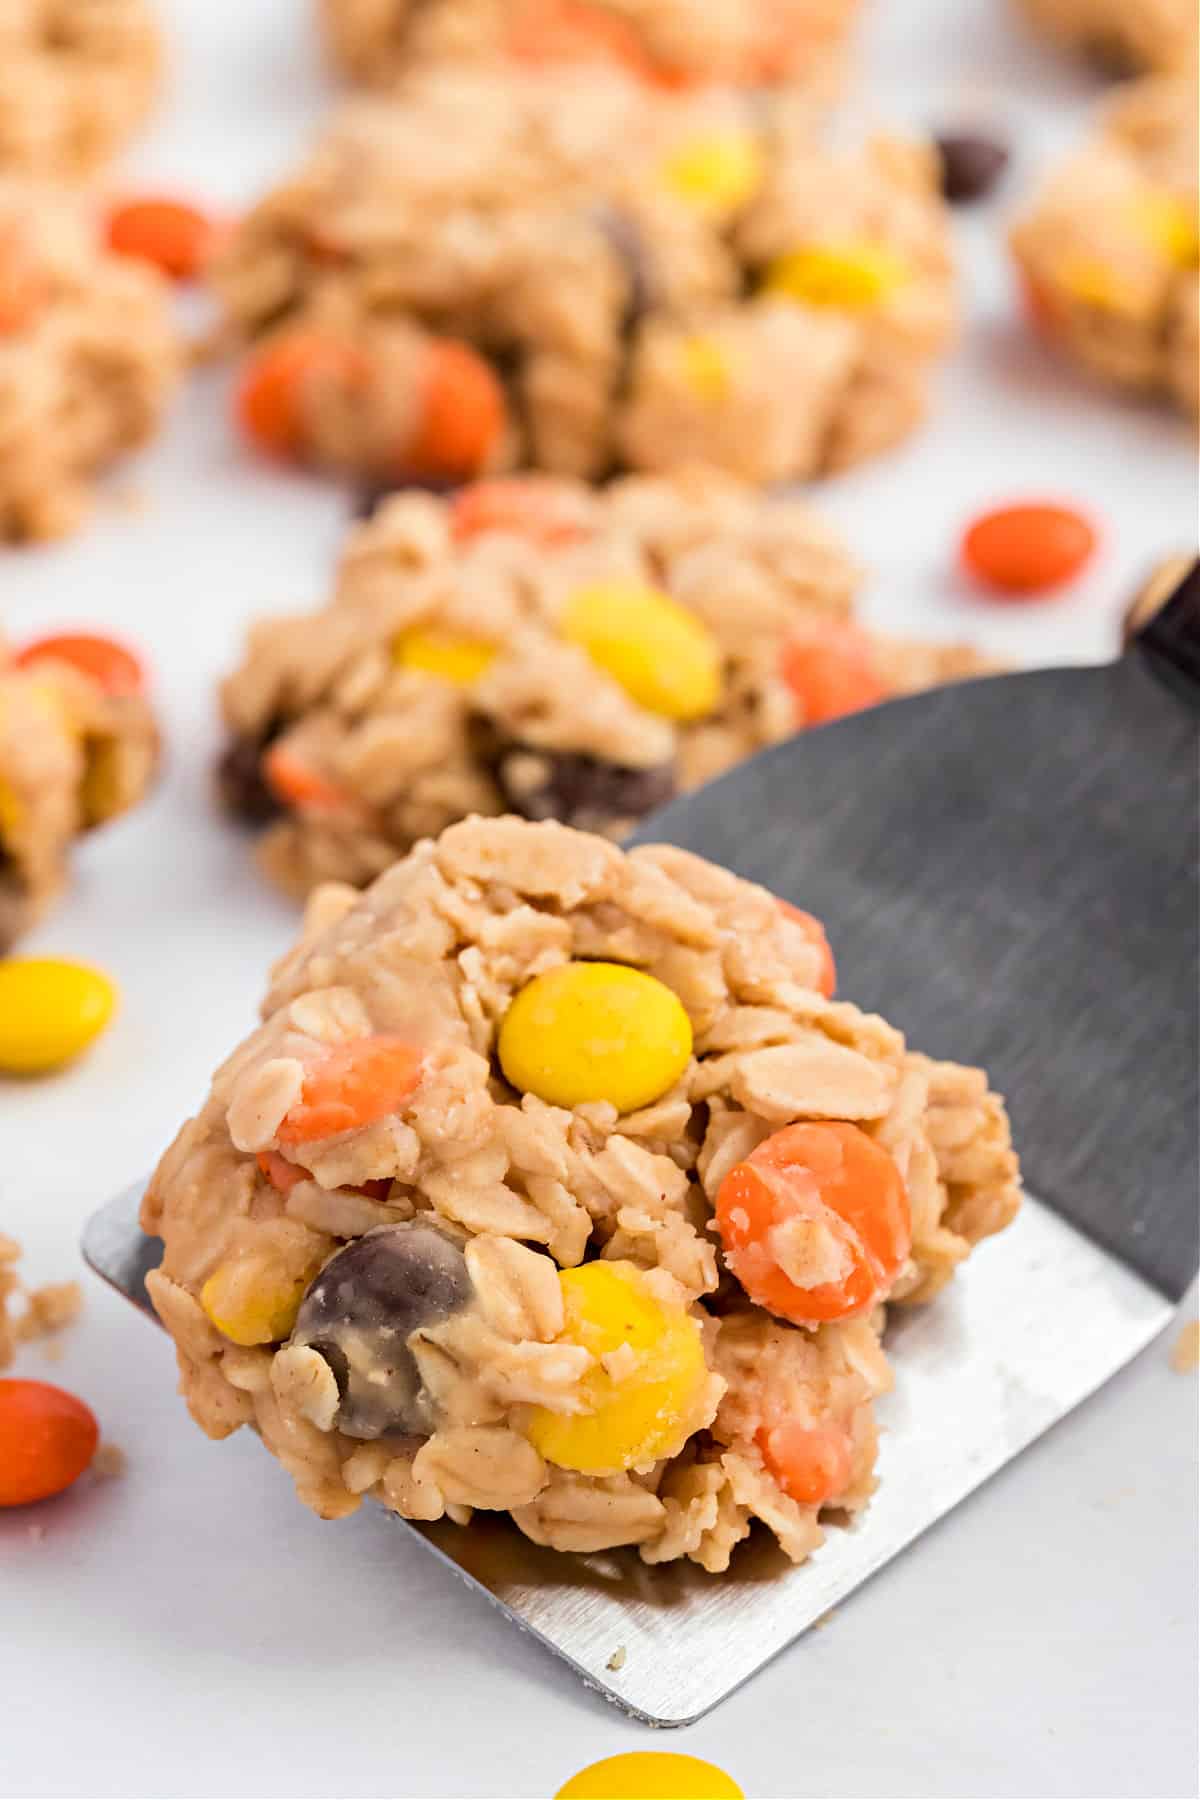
column 72, row 756
column 88, row 360
column 1124, row 36
column 533, row 645
column 76, row 78
column 1109, row 249
column 668, row 42
column 553, row 1184
column 572, row 273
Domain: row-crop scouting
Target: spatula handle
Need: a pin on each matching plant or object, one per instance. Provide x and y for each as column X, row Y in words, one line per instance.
column 1170, row 638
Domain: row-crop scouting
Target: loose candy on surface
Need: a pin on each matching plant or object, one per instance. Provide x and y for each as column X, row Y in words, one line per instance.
column 47, row 1440
column 51, row 1010
column 638, row 1405
column 112, row 666
column 659, row 651
column 589, row 1031
column 1027, row 549
column 815, row 1222
column 175, row 236
column 651, row 1775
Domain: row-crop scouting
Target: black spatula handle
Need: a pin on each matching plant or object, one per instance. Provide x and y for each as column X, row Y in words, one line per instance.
column 1170, row 638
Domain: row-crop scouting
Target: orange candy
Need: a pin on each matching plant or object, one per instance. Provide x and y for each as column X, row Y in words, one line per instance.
column 22, row 286
column 462, row 415
column 272, row 396
column 830, row 1176
column 526, row 508
column 1021, row 550
column 175, row 237
column 109, row 664
column 283, row 1176
column 352, row 1085
column 831, row 674
column 550, row 31
column 812, row 1463
column 47, row 1440
column 300, row 786
column 814, row 931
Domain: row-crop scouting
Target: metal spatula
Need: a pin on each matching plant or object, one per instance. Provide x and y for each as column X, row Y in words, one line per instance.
column 1008, row 872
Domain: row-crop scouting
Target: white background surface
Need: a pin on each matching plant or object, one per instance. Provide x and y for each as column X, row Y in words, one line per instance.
column 190, row 1630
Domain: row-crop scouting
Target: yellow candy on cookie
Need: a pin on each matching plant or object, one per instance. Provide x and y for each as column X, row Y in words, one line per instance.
column 640, row 1395
column 251, row 1304
column 50, row 1011
column 1169, row 225
column 714, row 173
column 461, row 660
column 850, row 277
column 660, row 653
column 706, row 369
column 589, row 1031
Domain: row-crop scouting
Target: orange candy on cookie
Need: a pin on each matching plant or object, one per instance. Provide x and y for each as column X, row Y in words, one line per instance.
column 520, row 505
column 351, row 1085
column 279, row 376
column 109, row 664
column 831, row 672
column 172, row 235
column 463, row 414
column 815, row 1222
column 814, row 931
column 811, row 1463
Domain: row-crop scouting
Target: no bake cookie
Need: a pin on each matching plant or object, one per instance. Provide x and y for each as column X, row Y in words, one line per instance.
column 1110, row 247
column 76, row 78
column 89, row 357
column 533, row 645
column 573, row 274
column 553, row 1183
column 664, row 42
column 1124, row 37
column 78, row 746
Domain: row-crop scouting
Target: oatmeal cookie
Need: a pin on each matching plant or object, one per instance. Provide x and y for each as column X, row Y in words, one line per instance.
column 1109, row 249
column 1124, row 37
column 668, row 43
column 551, row 1184
column 76, row 78
column 89, row 357
column 586, row 277
column 73, row 754
column 538, row 646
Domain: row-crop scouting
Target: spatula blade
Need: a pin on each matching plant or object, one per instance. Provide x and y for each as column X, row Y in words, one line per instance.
column 1038, row 1321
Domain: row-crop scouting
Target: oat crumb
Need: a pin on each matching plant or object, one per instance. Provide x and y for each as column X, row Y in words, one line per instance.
column 1185, row 1352
column 617, row 1659
column 35, row 1533
column 109, row 1461
column 825, row 1619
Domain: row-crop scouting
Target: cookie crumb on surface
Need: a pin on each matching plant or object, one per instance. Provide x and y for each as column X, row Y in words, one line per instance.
column 1185, row 1351
column 47, row 1310
column 617, row 1659
column 109, row 1462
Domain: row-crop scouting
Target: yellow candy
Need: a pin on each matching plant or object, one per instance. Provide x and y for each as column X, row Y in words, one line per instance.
column 638, row 1407
column 1169, row 225
column 50, row 1011
column 252, row 1304
column 461, row 660
column 1091, row 284
column 716, row 173
column 661, row 654
column 101, row 793
column 853, row 277
column 706, row 369
column 651, row 1775
column 11, row 813
column 595, row 1031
